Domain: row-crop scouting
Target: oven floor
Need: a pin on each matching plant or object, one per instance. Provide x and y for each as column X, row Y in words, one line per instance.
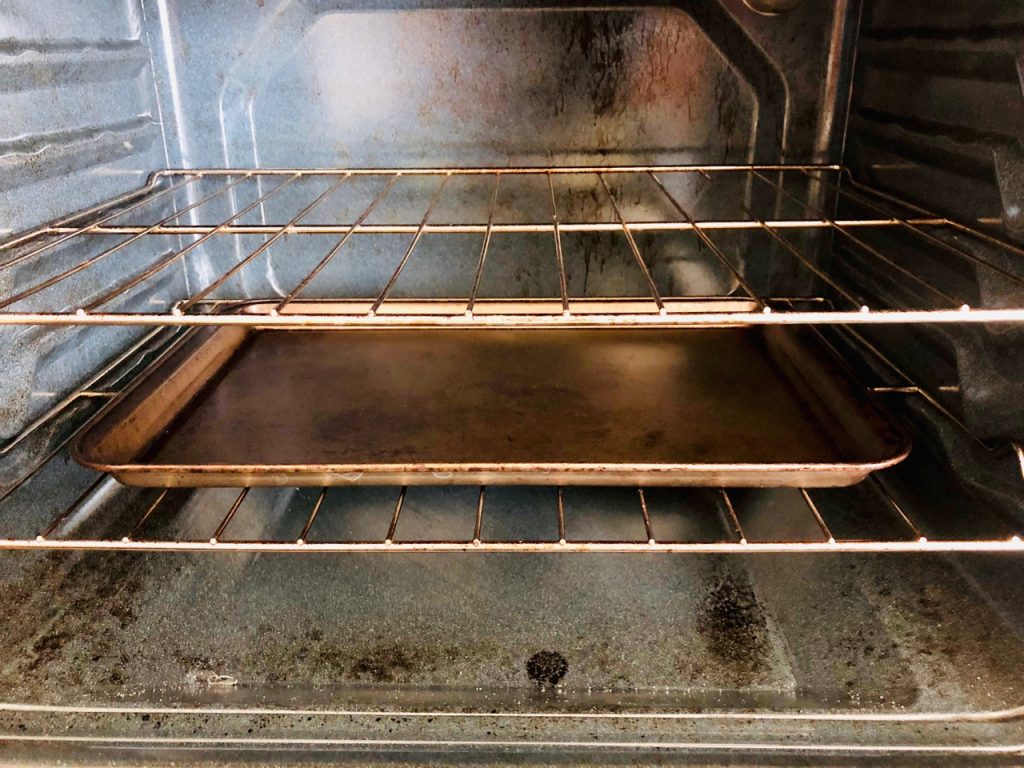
column 615, row 631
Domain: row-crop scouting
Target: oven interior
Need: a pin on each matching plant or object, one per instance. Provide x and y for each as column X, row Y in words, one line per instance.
column 855, row 168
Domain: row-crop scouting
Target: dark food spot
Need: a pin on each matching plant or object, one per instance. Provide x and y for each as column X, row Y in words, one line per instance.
column 547, row 667
column 52, row 642
column 652, row 438
column 381, row 664
column 733, row 624
column 48, row 648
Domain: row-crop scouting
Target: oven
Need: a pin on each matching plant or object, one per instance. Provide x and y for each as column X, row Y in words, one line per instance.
column 511, row 381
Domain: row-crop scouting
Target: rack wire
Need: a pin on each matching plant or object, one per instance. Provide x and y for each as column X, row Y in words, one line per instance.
column 786, row 187
column 913, row 543
column 736, row 541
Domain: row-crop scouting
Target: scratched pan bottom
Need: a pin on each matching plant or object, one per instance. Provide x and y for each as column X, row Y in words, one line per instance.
column 762, row 406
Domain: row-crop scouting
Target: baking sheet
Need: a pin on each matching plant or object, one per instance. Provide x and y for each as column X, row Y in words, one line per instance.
column 759, row 405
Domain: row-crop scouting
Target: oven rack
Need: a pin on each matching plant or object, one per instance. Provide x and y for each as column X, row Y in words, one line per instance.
column 201, row 305
column 780, row 203
column 814, row 514
column 60, row 425
column 735, row 537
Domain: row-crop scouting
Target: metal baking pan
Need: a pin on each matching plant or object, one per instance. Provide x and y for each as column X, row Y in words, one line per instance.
column 722, row 406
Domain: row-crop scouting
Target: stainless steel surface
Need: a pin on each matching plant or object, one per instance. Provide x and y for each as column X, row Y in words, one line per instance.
column 377, row 645
column 739, row 406
column 370, row 650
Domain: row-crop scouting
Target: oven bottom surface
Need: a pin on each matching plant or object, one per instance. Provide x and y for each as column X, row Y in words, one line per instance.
column 606, row 650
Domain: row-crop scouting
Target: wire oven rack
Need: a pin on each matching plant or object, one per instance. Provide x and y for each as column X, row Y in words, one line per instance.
column 735, row 542
column 896, row 528
column 970, row 244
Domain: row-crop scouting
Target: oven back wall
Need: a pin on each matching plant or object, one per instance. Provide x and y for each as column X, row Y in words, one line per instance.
column 334, row 83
